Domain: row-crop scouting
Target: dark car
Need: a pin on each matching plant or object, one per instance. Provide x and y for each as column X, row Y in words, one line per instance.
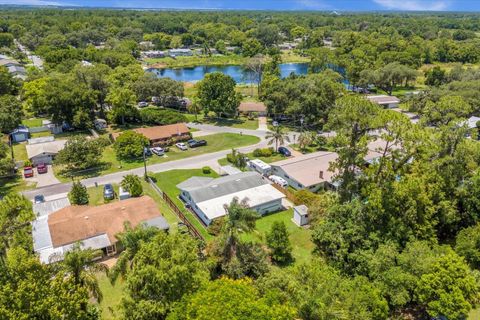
column 284, row 151
column 42, row 168
column 196, row 143
column 39, row 198
column 108, row 192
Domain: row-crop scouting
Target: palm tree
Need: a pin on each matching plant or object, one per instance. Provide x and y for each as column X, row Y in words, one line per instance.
column 239, row 218
column 130, row 240
column 278, row 135
column 304, row 139
column 78, row 264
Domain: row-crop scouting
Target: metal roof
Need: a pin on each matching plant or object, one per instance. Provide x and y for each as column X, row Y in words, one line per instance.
column 159, row 222
column 45, row 208
column 223, row 186
column 301, row 209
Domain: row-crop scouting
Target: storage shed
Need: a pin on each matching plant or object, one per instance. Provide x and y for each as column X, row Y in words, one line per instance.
column 300, row 215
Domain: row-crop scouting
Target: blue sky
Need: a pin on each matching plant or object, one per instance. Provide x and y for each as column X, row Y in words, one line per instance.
column 348, row 5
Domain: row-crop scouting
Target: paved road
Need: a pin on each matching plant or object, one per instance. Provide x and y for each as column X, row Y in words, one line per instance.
column 209, row 159
column 36, row 60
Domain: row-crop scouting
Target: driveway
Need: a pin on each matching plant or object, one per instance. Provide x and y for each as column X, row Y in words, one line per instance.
column 44, row 179
column 262, row 123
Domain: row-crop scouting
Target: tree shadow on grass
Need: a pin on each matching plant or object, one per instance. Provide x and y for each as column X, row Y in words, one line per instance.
column 85, row 173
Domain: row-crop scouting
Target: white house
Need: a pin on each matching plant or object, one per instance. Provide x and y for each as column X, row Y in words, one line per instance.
column 208, row 196
column 388, row 102
column 44, row 152
column 300, row 215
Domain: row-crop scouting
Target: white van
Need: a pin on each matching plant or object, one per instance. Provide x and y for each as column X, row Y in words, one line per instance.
column 279, row 180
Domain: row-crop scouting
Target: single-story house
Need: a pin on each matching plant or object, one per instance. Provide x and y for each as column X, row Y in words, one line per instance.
column 20, row 134
column 309, row 171
column 162, row 135
column 388, row 102
column 153, row 54
column 44, row 152
column 253, row 107
column 208, row 196
column 180, row 52
column 472, row 122
column 93, row 227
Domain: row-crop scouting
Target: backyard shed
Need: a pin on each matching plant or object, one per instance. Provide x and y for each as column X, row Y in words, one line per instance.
column 300, row 215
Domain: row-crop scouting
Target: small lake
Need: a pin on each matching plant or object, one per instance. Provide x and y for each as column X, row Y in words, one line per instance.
column 238, row 73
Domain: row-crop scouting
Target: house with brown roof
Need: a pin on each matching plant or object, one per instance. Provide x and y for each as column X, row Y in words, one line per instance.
column 93, row 227
column 163, row 135
column 253, row 107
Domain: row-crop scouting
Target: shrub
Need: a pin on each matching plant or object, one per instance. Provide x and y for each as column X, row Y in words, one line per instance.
column 27, row 163
column 155, row 116
column 216, row 226
column 265, row 152
column 133, row 185
column 130, row 144
column 206, row 170
column 279, row 243
column 78, row 195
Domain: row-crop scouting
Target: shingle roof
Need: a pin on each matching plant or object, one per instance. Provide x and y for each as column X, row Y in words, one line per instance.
column 222, row 186
column 160, row 132
column 77, row 223
column 48, row 147
column 252, row 107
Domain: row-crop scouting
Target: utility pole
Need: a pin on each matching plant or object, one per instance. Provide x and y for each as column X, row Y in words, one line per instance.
column 145, row 162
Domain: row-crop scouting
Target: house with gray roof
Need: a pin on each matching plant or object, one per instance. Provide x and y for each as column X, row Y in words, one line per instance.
column 208, row 196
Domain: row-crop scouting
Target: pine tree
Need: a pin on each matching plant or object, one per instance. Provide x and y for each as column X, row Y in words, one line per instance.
column 279, row 243
column 78, row 195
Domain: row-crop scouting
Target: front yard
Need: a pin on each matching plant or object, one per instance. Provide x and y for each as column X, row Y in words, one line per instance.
column 273, row 158
column 167, row 182
column 215, row 142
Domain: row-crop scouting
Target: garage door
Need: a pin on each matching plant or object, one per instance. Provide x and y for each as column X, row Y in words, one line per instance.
column 42, row 159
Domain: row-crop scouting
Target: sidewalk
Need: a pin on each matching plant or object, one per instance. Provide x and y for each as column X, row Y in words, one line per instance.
column 262, row 123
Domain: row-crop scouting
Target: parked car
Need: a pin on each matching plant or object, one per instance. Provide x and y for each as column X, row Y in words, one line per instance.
column 284, row 151
column 42, row 168
column 158, row 151
column 275, row 123
column 182, row 146
column 192, row 143
column 28, row 172
column 279, row 180
column 39, row 198
column 108, row 192
column 142, row 104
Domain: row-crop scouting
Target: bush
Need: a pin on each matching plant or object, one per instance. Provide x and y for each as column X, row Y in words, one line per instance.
column 279, row 243
column 130, row 144
column 206, row 170
column 133, row 185
column 78, row 195
column 155, row 116
column 215, row 228
column 265, row 152
column 27, row 163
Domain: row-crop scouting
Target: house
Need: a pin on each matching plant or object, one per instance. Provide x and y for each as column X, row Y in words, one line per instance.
column 44, row 152
column 153, row 54
column 388, row 102
column 309, row 171
column 93, row 227
column 208, row 196
column 180, row 52
column 163, row 135
column 472, row 122
column 14, row 68
column 253, row 107
column 20, row 134
column 300, row 215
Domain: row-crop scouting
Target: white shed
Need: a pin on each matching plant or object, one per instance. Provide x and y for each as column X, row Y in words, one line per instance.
column 300, row 215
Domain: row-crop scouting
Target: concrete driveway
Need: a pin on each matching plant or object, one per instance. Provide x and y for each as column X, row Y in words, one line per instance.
column 44, row 179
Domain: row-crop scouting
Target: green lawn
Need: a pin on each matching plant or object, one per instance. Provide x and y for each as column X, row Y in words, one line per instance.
column 112, row 296
column 33, row 122
column 275, row 157
column 474, row 314
column 215, row 142
column 20, row 152
column 240, row 123
column 40, row 134
column 14, row 184
column 300, row 238
column 167, row 181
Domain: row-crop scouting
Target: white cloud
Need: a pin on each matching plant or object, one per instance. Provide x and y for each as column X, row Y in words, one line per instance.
column 34, row 3
column 412, row 5
column 313, row 4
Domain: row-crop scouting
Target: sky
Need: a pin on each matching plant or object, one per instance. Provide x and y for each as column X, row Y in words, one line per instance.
column 328, row 5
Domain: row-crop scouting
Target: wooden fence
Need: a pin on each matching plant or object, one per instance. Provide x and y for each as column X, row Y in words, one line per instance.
column 191, row 228
column 290, row 196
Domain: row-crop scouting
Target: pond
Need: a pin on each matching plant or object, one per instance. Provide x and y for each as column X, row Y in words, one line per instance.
column 238, row 73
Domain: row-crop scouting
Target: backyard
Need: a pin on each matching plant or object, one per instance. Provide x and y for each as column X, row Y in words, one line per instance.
column 300, row 237
column 215, row 142
column 239, row 123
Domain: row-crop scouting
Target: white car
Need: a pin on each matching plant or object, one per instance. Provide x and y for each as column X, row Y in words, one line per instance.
column 181, row 146
column 158, row 151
